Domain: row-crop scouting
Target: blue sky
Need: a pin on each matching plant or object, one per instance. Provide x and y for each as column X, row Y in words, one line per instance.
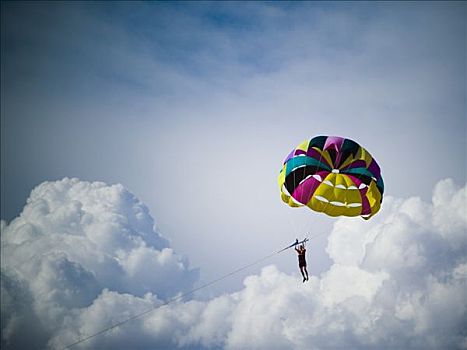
column 192, row 106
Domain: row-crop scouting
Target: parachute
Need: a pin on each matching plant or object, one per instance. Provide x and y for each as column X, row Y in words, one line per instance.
column 332, row 175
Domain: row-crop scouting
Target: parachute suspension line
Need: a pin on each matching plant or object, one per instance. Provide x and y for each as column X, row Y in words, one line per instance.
column 172, row 300
column 308, row 222
column 293, row 223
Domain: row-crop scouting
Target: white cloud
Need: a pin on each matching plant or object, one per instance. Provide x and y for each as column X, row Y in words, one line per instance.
column 75, row 239
column 397, row 281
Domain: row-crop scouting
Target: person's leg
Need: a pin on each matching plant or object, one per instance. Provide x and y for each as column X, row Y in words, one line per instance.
column 306, row 272
column 303, row 273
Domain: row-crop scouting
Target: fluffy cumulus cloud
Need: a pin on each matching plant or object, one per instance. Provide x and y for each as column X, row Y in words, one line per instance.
column 84, row 256
column 74, row 244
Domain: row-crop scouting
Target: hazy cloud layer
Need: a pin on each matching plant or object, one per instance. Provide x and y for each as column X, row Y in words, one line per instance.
column 84, row 255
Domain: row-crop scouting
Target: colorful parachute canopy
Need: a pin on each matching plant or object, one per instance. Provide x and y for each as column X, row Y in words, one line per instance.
column 333, row 175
